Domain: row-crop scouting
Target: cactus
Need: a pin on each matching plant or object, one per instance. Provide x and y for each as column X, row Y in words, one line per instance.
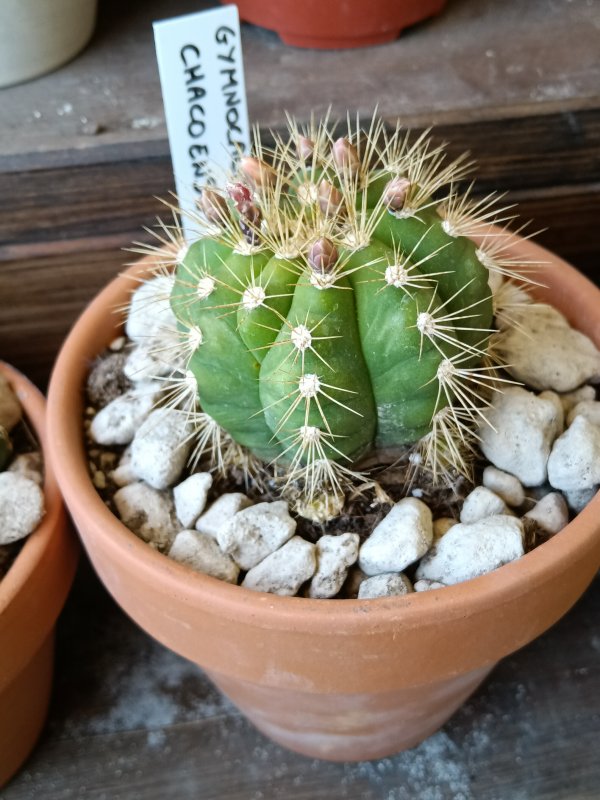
column 334, row 305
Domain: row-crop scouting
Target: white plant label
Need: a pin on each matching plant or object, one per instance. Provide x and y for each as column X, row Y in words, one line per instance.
column 204, row 95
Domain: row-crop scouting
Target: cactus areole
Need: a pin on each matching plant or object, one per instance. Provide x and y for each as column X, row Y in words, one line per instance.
column 334, row 305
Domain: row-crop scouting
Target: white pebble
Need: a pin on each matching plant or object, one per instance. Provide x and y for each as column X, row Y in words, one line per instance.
column 570, row 399
column 574, row 462
column 544, row 352
column 30, row 465
column 119, row 420
column 256, row 532
column 402, row 537
column 520, row 433
column 590, row 409
column 554, row 398
column 220, row 512
column 161, row 446
column 472, row 549
column 202, row 553
column 425, row 585
column 190, row 497
column 21, row 507
column 150, row 514
column 155, row 358
column 578, row 500
column 124, row 473
column 481, row 503
column 504, row 485
column 10, row 408
column 388, row 584
column 335, row 555
column 150, row 311
column 550, row 513
column 284, row 571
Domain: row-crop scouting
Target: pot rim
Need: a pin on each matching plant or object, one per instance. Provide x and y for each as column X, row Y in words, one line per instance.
column 467, row 599
column 37, row 544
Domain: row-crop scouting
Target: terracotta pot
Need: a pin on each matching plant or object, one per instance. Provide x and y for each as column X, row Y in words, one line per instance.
column 336, row 679
column 31, row 597
column 337, row 24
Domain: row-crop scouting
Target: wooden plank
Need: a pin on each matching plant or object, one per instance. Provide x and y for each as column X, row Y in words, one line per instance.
column 131, row 720
column 476, row 61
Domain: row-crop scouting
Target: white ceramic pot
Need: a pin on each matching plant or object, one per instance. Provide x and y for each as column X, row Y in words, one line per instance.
column 37, row 36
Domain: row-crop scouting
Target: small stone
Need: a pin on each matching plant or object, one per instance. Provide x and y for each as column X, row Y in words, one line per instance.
column 545, row 352
column 161, row 447
column 442, row 525
column 10, row 408
column 425, row 585
column 335, row 555
column 550, row 513
column 284, row 571
column 481, row 503
column 155, row 358
column 472, row 549
column 29, row 465
column 520, row 433
column 590, row 409
column 150, row 514
column 221, row 512
column 190, row 497
column 124, row 473
column 150, row 311
column 570, row 399
column 21, row 507
column 578, row 500
column 554, row 398
column 119, row 420
column 106, row 380
column 202, row 553
column 574, row 462
column 256, row 532
column 388, row 584
column 504, row 485
column 401, row 538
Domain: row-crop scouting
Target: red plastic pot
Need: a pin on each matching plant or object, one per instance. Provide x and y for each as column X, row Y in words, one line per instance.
column 337, row 24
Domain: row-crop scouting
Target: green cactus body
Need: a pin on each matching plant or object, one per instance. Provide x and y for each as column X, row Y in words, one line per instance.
column 319, row 317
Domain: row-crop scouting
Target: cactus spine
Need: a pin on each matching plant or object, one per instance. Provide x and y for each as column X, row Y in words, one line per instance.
column 333, row 305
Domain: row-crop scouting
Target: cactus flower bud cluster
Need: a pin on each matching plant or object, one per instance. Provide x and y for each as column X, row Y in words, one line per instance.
column 335, row 305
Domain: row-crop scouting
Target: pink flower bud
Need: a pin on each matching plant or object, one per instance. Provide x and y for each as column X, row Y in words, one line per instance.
column 305, row 148
column 330, row 199
column 213, row 206
column 345, row 156
column 257, row 172
column 239, row 193
column 323, row 255
column 395, row 193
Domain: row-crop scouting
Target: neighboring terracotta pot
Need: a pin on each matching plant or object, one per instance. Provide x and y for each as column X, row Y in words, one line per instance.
column 336, row 679
column 31, row 597
column 337, row 24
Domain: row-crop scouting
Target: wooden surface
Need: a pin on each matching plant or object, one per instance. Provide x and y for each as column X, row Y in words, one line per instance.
column 82, row 155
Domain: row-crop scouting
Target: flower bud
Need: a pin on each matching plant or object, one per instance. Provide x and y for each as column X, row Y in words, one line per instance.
column 395, row 193
column 213, row 206
column 239, row 193
column 250, row 220
column 257, row 172
column 305, row 148
column 330, row 199
column 323, row 255
column 345, row 156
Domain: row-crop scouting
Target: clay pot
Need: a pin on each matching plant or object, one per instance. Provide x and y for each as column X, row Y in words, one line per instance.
column 337, row 24
column 335, row 679
column 31, row 597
